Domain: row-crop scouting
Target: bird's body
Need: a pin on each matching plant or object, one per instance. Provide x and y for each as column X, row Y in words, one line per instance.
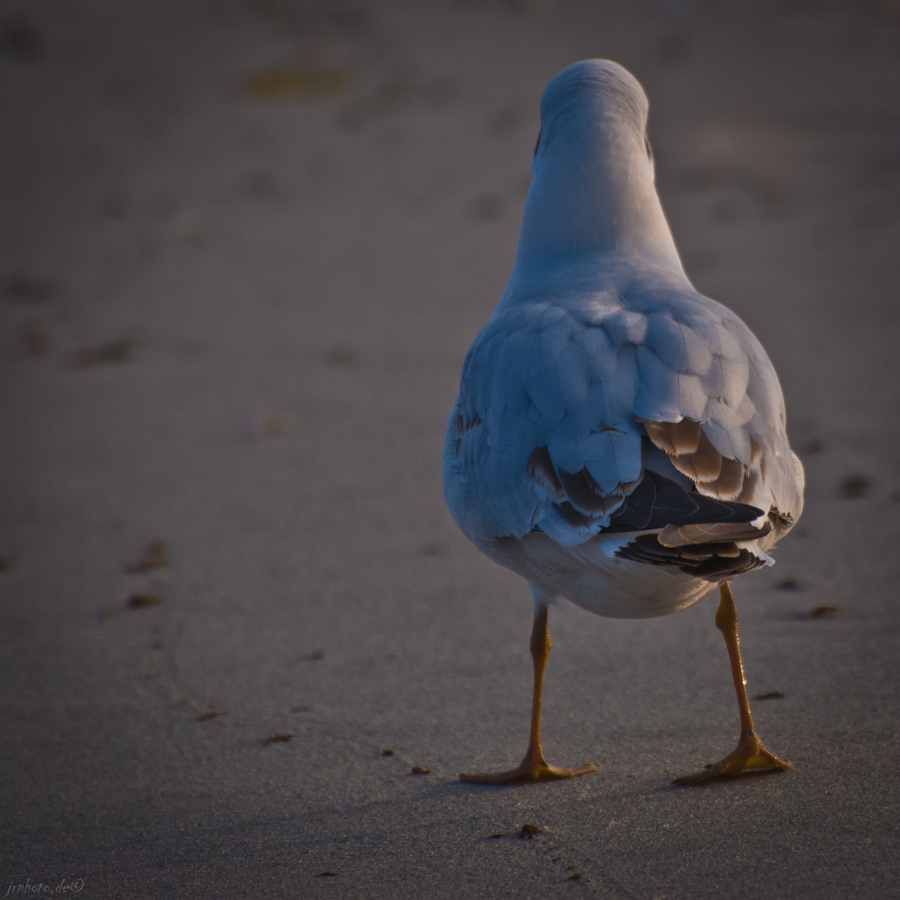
column 619, row 439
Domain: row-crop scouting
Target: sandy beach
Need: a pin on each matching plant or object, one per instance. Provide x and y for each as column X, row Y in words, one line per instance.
column 244, row 247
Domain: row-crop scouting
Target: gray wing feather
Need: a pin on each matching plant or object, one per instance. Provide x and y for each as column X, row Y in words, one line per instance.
column 693, row 401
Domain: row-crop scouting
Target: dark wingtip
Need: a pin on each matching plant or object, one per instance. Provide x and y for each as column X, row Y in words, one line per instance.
column 711, row 562
column 659, row 501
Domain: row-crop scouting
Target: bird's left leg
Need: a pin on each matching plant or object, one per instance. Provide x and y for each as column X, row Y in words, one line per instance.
column 750, row 754
column 533, row 767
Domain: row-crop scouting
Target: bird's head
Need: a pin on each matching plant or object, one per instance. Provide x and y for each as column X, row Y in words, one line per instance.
column 592, row 187
column 594, row 106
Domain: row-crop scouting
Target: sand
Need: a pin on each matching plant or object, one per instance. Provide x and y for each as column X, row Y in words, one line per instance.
column 245, row 246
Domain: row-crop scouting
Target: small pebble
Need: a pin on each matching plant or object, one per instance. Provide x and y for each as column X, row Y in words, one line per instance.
column 819, row 612
column 814, row 446
column 275, row 426
column 139, row 601
column 156, row 556
column 287, row 84
column 117, row 351
column 855, row 486
column 789, row 584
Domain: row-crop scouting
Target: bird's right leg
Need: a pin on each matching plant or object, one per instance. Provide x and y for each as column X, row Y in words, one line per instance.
column 751, row 754
column 533, row 767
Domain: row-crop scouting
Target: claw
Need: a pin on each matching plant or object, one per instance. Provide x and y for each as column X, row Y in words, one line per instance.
column 750, row 757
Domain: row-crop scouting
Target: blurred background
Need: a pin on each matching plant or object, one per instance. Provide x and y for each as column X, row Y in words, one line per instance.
column 244, row 247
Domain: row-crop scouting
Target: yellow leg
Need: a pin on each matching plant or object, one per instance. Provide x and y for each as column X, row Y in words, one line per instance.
column 750, row 755
column 533, row 767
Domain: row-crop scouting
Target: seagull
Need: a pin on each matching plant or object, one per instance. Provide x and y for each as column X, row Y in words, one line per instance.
column 618, row 439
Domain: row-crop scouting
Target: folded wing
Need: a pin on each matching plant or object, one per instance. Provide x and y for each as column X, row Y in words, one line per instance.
column 626, row 412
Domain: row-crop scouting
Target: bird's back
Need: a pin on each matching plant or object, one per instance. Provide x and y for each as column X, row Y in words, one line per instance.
column 590, row 369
